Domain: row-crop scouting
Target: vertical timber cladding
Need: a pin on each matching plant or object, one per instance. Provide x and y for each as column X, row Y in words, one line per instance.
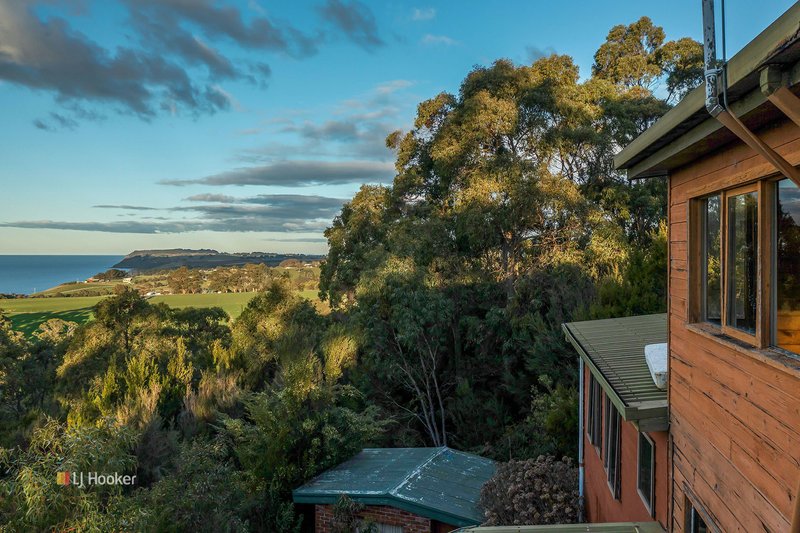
column 734, row 411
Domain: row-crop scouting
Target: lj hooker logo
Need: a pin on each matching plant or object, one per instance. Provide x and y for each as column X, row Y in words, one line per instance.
column 82, row 479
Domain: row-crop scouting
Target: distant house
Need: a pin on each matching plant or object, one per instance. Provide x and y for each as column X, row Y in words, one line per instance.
column 624, row 419
column 403, row 490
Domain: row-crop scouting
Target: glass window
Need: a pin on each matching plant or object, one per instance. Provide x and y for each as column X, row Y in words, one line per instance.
column 787, row 267
column 594, row 426
column 611, row 457
column 742, row 268
column 694, row 521
column 646, row 467
column 711, row 264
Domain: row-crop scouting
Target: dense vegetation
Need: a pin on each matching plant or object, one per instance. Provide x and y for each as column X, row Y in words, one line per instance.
column 447, row 289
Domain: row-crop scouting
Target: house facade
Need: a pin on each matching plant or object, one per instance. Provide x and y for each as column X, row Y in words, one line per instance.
column 624, row 420
column 734, row 289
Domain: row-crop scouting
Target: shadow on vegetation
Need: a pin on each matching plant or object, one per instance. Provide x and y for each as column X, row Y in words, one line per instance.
column 27, row 323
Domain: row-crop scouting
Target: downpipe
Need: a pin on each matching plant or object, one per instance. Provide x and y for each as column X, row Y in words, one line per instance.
column 715, row 79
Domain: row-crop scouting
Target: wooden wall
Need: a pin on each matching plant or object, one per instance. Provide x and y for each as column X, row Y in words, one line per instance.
column 600, row 504
column 734, row 411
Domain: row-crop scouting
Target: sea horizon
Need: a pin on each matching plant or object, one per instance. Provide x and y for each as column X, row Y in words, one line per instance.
column 30, row 273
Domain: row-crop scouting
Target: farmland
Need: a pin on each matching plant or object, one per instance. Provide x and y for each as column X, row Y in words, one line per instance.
column 27, row 313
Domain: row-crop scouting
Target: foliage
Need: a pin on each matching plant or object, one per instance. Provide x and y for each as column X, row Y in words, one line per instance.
column 346, row 519
column 448, row 289
column 31, row 499
column 535, row 491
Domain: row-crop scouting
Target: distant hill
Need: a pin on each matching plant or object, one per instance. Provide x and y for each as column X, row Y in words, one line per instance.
column 142, row 260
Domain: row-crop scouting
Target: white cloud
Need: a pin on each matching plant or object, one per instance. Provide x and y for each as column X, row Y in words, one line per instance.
column 432, row 40
column 427, row 13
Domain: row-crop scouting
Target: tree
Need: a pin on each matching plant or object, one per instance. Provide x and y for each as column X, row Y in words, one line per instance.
column 355, row 242
column 406, row 326
column 111, row 274
column 635, row 57
column 182, row 281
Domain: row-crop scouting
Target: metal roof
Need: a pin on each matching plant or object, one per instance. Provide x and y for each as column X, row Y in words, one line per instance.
column 618, row 527
column 613, row 349
column 687, row 130
column 437, row 483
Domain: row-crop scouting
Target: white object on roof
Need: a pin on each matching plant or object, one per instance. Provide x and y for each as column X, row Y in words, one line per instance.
column 656, row 357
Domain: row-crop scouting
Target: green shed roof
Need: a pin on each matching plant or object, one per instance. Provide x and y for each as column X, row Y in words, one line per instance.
column 613, row 349
column 619, row 527
column 437, row 483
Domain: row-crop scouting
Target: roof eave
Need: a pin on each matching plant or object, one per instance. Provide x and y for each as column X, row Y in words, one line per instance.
column 652, row 415
column 388, row 500
column 742, row 78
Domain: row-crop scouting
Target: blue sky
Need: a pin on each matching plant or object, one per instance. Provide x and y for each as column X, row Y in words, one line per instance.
column 243, row 125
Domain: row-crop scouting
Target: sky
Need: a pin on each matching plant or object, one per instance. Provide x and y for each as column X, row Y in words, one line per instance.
column 244, row 125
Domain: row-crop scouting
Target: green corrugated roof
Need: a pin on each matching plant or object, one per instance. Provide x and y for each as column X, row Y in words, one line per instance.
column 619, row 527
column 614, row 351
column 437, row 483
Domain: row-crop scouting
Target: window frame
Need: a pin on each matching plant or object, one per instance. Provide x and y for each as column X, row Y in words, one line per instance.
column 692, row 510
column 612, row 414
column 650, row 499
column 594, row 413
column 765, row 188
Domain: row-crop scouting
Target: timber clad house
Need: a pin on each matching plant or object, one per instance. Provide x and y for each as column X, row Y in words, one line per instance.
column 730, row 155
column 624, row 441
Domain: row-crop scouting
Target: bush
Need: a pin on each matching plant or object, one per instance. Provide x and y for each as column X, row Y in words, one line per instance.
column 537, row 491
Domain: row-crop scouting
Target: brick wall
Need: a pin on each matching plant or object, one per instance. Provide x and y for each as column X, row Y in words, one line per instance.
column 411, row 523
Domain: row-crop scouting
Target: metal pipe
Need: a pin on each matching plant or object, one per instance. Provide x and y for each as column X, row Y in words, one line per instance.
column 580, row 441
column 714, row 72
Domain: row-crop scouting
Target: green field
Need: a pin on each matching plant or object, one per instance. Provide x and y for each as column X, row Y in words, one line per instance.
column 27, row 313
column 232, row 303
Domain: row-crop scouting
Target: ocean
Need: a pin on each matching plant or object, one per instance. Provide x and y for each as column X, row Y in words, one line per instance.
column 24, row 274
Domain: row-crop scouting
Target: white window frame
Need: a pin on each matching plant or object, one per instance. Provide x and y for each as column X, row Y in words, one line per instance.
column 648, row 504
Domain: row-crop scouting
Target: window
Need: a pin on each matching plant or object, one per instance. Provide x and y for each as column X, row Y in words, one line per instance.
column 646, row 468
column 745, row 263
column 611, row 456
column 594, row 421
column 695, row 523
column 742, row 261
column 710, row 264
column 787, row 266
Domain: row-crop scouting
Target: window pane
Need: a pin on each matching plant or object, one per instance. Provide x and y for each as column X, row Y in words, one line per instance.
column 712, row 271
column 645, row 468
column 612, row 455
column 742, row 261
column 697, row 524
column 787, row 334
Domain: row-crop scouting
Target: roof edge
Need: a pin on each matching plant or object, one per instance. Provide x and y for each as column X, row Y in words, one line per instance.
column 390, row 500
column 653, row 411
column 782, row 32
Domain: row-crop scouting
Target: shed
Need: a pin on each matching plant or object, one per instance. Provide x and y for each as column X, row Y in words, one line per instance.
column 438, row 484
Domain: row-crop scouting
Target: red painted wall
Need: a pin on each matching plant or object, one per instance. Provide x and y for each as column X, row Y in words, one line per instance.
column 411, row 523
column 600, row 503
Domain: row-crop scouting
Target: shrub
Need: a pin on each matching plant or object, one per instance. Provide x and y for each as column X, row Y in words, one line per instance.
column 537, row 491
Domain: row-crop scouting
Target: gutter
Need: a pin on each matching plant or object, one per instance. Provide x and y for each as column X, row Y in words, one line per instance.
column 716, row 82
column 688, row 114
